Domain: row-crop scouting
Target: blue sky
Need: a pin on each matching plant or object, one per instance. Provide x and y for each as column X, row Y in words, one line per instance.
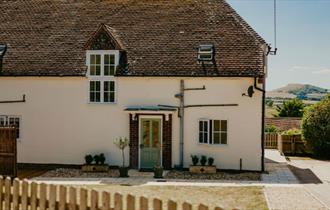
column 303, row 38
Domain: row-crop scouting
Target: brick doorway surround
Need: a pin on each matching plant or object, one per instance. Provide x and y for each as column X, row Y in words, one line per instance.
column 134, row 140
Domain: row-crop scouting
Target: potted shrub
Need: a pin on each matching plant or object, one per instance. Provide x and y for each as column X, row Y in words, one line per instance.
column 194, row 159
column 158, row 168
column 88, row 159
column 210, row 161
column 203, row 160
column 122, row 143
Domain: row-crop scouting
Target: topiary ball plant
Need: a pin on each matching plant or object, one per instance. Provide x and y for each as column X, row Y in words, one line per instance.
column 210, row 161
column 97, row 159
column 203, row 160
column 102, row 158
column 88, row 159
column 194, row 159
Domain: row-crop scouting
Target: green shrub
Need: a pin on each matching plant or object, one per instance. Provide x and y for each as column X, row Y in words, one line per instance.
column 88, row 159
column 203, row 160
column 291, row 132
column 102, row 158
column 194, row 159
column 292, row 108
column 97, row 159
column 316, row 127
column 271, row 129
column 210, row 161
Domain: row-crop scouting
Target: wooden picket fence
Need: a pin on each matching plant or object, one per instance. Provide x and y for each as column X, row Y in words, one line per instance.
column 23, row 195
column 271, row 141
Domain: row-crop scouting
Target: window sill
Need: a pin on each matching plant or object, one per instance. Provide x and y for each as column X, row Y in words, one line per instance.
column 103, row 103
column 212, row 145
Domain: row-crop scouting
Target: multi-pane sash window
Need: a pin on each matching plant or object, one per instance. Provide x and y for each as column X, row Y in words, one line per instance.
column 213, row 131
column 6, row 120
column 102, row 69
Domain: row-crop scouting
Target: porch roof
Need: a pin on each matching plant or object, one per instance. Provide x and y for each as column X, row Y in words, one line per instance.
column 150, row 108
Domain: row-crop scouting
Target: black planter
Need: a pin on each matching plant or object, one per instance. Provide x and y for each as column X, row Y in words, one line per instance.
column 123, row 171
column 158, row 172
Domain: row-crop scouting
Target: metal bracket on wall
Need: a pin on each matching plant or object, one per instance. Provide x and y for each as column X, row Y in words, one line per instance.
column 14, row 101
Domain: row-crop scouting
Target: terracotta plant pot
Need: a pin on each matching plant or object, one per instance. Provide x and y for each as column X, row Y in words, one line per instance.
column 123, row 171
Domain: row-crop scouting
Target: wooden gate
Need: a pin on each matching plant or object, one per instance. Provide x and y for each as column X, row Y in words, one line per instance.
column 271, row 141
column 8, row 153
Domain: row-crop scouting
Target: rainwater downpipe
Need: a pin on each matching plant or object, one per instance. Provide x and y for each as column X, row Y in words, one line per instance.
column 262, row 121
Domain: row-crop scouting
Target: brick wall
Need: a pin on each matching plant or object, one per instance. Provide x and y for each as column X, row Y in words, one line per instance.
column 134, row 142
column 284, row 123
column 167, row 142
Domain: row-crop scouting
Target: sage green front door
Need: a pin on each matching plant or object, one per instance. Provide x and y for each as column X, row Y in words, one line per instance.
column 150, row 142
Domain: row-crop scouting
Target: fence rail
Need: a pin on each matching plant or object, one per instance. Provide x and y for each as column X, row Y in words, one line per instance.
column 23, row 195
column 271, row 140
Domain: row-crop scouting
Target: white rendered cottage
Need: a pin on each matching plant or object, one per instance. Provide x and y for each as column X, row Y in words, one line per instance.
column 179, row 78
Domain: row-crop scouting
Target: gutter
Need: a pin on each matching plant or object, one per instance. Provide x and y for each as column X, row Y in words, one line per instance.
column 262, row 121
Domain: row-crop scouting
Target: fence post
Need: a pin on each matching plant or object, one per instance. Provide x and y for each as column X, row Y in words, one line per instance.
column 118, row 202
column 42, row 196
column 83, row 199
column 171, row 205
column 130, row 202
column 72, row 198
column 143, row 203
column 34, row 192
column 202, row 207
column 7, row 193
column 157, row 204
column 94, row 200
column 16, row 194
column 52, row 197
column 1, row 191
column 280, row 143
column 105, row 201
column 62, row 198
column 25, row 195
column 186, row 206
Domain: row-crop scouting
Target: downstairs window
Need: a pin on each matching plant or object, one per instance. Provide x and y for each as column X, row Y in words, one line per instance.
column 213, row 132
column 10, row 120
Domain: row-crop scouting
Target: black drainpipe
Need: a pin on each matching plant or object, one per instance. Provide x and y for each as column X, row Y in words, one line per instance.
column 3, row 49
column 262, row 121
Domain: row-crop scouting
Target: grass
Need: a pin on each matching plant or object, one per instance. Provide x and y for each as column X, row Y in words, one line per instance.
column 225, row 197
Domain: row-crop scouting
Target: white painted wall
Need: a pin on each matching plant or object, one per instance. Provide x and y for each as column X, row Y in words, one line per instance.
column 59, row 126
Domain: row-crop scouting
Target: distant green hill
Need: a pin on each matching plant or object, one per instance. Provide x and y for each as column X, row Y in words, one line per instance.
column 302, row 91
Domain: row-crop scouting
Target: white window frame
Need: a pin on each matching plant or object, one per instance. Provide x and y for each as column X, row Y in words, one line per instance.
column 7, row 117
column 208, row 131
column 102, row 78
column 211, row 125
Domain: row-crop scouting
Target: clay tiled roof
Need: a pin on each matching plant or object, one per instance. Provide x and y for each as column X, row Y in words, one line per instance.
column 161, row 37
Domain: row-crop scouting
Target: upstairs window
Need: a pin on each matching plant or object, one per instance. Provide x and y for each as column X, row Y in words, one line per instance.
column 213, row 132
column 205, row 53
column 101, row 73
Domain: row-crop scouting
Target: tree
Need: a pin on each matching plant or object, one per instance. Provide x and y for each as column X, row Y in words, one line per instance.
column 316, row 127
column 292, row 108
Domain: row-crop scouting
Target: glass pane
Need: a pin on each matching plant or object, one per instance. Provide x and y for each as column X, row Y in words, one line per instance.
column 97, row 70
column 146, row 133
column 112, row 86
column 112, row 59
column 97, row 97
column 200, row 137
column 106, row 59
column 205, row 126
column 112, row 70
column 106, row 86
column 216, row 125
column 92, row 96
column 106, row 70
column 98, row 59
column 106, row 97
column 216, row 138
column 223, row 125
column 205, row 137
column 155, row 134
column 91, row 86
column 92, row 70
column 112, row 97
column 97, row 85
column 223, row 138
column 92, row 59
column 200, row 125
